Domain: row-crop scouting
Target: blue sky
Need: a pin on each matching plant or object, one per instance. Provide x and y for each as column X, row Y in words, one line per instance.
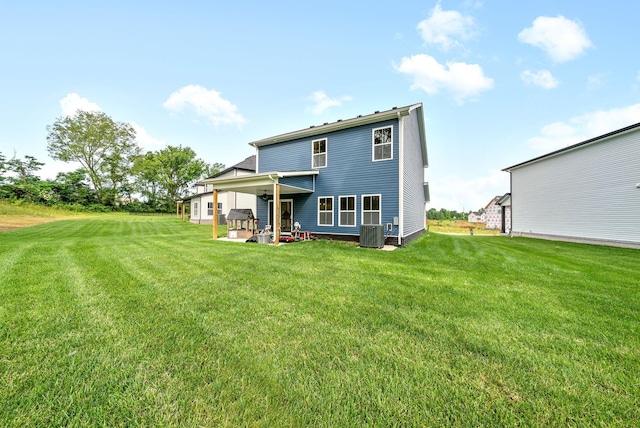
column 501, row 81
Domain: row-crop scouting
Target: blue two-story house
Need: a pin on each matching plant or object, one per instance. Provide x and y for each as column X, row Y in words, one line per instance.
column 333, row 178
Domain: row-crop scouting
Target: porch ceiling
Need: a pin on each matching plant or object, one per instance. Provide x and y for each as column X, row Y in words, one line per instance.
column 259, row 184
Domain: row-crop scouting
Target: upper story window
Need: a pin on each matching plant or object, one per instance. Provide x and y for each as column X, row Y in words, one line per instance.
column 325, row 211
column 319, row 153
column 383, row 143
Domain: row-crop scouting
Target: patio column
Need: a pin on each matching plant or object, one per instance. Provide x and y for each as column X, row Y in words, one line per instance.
column 182, row 210
column 177, row 209
column 276, row 214
column 214, row 220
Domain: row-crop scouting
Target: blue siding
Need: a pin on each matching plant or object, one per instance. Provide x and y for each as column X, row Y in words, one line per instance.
column 350, row 171
column 303, row 182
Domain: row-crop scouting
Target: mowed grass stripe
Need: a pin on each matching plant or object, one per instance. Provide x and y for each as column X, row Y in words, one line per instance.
column 449, row 330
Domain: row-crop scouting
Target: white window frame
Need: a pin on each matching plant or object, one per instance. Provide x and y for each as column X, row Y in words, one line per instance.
column 373, row 144
column 379, row 210
column 340, row 210
column 314, row 154
column 219, row 208
column 195, row 209
column 326, row 211
column 210, row 208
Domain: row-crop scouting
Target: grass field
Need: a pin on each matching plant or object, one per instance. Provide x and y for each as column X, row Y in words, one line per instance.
column 461, row 227
column 17, row 215
column 139, row 321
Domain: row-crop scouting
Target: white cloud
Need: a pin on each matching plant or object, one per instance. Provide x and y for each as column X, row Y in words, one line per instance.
column 73, row 102
column 542, row 78
column 457, row 193
column 206, row 103
column 558, row 135
column 638, row 76
column 144, row 139
column 561, row 38
column 462, row 80
column 322, row 102
column 445, row 28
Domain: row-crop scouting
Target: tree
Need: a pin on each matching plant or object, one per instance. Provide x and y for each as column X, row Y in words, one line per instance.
column 177, row 169
column 24, row 169
column 3, row 167
column 101, row 145
column 73, row 189
column 212, row 169
column 147, row 181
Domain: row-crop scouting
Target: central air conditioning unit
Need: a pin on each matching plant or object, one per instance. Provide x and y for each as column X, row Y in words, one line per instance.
column 371, row 236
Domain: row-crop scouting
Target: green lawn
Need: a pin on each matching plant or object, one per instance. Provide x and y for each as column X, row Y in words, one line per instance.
column 141, row 321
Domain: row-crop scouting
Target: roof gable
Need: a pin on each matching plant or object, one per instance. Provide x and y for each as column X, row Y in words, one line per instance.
column 378, row 116
column 575, row 146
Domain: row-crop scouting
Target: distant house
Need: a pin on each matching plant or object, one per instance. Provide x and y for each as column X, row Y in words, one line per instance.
column 334, row 178
column 201, row 203
column 589, row 191
column 498, row 213
column 476, row 217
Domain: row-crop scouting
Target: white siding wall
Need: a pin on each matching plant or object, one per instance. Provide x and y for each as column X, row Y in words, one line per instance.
column 589, row 192
column 414, row 214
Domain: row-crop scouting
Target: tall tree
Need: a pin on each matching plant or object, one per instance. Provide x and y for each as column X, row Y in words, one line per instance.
column 3, row 167
column 177, row 169
column 212, row 169
column 94, row 140
column 147, row 181
column 24, row 170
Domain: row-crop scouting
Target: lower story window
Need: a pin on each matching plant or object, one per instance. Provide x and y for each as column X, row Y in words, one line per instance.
column 219, row 208
column 195, row 209
column 325, row 211
column 347, row 216
column 209, row 208
column 371, row 209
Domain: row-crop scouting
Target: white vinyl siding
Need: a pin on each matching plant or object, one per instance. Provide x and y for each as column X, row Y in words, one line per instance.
column 319, row 148
column 371, row 209
column 382, row 143
column 412, row 159
column 325, row 211
column 589, row 192
column 347, row 211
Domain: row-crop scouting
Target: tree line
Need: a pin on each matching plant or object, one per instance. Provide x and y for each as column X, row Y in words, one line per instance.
column 114, row 173
column 444, row 214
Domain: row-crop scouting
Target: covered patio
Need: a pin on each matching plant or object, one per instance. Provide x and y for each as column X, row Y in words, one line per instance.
column 268, row 186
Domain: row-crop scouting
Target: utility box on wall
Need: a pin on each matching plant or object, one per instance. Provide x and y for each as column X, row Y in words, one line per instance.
column 371, row 236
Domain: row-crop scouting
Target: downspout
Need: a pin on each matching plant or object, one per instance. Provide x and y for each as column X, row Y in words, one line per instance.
column 400, row 179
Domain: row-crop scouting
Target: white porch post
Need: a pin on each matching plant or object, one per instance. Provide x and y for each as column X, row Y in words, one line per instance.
column 214, row 220
column 276, row 214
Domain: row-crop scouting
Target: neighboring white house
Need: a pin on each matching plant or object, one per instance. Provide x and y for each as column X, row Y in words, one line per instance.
column 202, row 201
column 498, row 213
column 589, row 191
column 476, row 217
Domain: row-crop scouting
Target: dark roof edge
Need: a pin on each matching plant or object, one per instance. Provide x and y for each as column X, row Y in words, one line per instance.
column 338, row 125
column 574, row 146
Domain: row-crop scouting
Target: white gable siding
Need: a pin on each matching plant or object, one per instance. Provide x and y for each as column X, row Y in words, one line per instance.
column 589, row 192
column 414, row 214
